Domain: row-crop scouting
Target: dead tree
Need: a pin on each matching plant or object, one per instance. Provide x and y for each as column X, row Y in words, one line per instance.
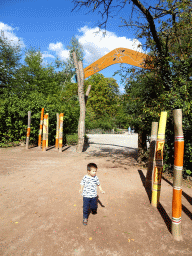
column 81, row 124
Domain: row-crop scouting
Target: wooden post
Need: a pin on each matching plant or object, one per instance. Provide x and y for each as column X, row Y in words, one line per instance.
column 44, row 132
column 28, row 129
column 81, row 123
column 41, row 128
column 177, row 175
column 151, row 160
column 47, row 130
column 60, row 132
column 158, row 169
column 57, row 132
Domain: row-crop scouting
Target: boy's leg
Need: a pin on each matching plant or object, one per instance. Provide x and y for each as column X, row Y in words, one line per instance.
column 86, row 202
column 93, row 205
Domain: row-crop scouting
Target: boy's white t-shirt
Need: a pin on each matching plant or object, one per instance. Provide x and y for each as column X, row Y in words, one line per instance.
column 90, row 186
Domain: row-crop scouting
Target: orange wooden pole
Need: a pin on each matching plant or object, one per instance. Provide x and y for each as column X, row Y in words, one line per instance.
column 28, row 129
column 177, row 175
column 57, row 132
column 44, row 132
column 60, row 132
column 41, row 128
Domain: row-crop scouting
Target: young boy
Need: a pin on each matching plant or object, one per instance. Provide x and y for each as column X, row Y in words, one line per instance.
column 90, row 183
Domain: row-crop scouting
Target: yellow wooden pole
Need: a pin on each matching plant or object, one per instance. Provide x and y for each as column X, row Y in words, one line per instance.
column 47, row 131
column 28, row 129
column 44, row 132
column 177, row 175
column 57, row 132
column 60, row 132
column 158, row 169
column 41, row 128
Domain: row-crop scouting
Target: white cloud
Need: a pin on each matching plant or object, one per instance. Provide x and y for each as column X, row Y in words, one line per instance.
column 10, row 36
column 47, row 55
column 56, row 47
column 96, row 45
column 60, row 51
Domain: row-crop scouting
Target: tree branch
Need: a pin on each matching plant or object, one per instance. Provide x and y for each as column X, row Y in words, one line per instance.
column 151, row 24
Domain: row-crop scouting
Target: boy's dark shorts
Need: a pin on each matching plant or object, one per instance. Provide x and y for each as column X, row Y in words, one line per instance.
column 89, row 203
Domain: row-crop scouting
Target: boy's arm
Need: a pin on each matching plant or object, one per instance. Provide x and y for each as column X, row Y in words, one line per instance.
column 101, row 188
column 81, row 189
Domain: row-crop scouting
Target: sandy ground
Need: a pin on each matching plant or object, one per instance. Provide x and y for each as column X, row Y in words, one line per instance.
column 41, row 210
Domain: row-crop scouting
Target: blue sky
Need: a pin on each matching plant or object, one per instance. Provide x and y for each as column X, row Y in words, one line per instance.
column 50, row 25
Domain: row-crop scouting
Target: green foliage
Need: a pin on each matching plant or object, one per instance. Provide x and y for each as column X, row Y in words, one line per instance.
column 147, row 94
column 34, row 87
column 188, row 172
column 72, row 139
column 14, row 116
column 33, row 76
column 101, row 108
column 9, row 61
column 69, row 67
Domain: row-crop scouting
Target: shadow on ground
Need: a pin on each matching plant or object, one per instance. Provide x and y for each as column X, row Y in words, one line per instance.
column 160, row 208
column 118, row 154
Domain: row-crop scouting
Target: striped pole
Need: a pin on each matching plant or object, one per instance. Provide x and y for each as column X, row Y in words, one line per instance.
column 41, row 127
column 28, row 129
column 57, row 132
column 60, row 132
column 151, row 160
column 177, row 175
column 47, row 131
column 158, row 169
column 44, row 132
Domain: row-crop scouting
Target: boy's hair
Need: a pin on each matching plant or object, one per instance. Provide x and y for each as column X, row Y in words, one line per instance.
column 91, row 165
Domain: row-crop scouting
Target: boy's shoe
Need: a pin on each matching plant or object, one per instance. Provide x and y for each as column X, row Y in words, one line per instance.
column 94, row 212
column 84, row 222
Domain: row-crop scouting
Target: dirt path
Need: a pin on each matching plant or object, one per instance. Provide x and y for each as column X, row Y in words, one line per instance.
column 41, row 209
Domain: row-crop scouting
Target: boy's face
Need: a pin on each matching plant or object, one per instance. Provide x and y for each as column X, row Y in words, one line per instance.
column 93, row 172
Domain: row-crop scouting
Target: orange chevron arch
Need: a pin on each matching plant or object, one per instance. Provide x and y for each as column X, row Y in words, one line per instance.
column 118, row 55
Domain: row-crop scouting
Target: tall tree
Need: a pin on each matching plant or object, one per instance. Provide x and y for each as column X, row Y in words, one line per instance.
column 68, row 65
column 75, row 61
column 9, row 62
column 34, row 76
column 103, row 95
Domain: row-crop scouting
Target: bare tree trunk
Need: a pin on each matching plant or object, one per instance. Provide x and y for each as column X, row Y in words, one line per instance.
column 81, row 124
column 87, row 94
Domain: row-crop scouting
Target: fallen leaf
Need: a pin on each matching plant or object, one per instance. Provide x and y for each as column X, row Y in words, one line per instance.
column 90, row 238
column 16, row 222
